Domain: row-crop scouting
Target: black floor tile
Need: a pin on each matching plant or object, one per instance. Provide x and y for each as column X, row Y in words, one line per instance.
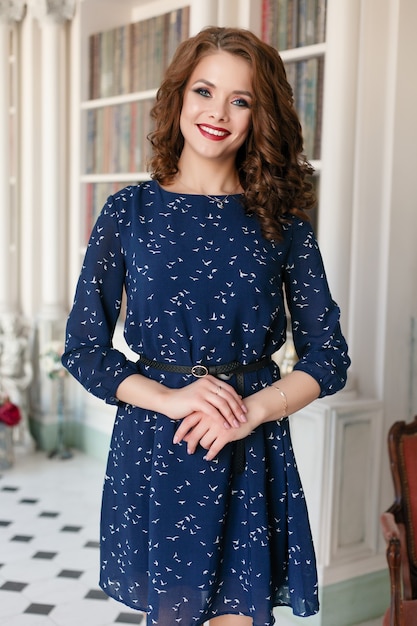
column 39, row 609
column 71, row 529
column 129, row 618
column 28, row 501
column 44, row 555
column 13, row 586
column 50, row 514
column 4, row 523
column 70, row 573
column 22, row 538
column 96, row 594
column 92, row 544
column 8, row 488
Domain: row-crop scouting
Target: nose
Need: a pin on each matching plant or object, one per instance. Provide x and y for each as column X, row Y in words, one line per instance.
column 218, row 110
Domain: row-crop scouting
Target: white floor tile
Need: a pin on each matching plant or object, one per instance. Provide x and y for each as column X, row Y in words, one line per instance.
column 55, row 591
column 30, row 570
column 93, row 612
column 28, row 620
column 11, row 604
column 32, row 491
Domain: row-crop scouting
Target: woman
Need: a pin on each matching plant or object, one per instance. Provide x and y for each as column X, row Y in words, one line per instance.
column 203, row 514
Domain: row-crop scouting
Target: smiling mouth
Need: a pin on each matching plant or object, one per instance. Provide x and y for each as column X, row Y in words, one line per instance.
column 215, row 133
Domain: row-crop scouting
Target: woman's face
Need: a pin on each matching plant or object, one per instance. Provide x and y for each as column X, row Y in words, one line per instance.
column 216, row 111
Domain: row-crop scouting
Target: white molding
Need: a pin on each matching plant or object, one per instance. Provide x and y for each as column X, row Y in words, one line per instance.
column 359, row 567
column 304, row 52
column 58, row 11
column 145, row 10
column 122, row 99
column 117, row 177
column 12, row 10
column 328, row 458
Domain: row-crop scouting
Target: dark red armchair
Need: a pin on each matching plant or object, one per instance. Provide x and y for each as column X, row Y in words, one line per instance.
column 399, row 525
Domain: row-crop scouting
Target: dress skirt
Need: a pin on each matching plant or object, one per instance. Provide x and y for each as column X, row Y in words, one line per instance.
column 185, row 539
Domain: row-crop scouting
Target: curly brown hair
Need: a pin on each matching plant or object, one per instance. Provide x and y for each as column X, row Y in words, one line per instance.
column 273, row 171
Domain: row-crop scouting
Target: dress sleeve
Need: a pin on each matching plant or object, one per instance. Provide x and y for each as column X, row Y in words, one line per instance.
column 318, row 340
column 89, row 353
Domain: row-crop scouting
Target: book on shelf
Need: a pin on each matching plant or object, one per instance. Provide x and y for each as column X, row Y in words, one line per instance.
column 133, row 57
column 117, row 137
column 319, row 109
column 290, row 24
column 306, row 79
column 306, row 102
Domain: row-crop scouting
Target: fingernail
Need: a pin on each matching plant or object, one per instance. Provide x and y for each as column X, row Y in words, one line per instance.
column 227, row 425
column 236, row 424
column 243, row 418
column 175, row 440
column 244, row 409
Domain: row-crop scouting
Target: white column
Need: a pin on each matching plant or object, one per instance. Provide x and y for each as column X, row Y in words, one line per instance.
column 240, row 14
column 50, row 154
column 338, row 146
column 52, row 16
column 5, row 256
column 203, row 15
column 30, row 168
column 74, row 161
column 9, row 12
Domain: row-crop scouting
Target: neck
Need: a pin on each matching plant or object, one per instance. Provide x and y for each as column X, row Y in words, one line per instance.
column 215, row 180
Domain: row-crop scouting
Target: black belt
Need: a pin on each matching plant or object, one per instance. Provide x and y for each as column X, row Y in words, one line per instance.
column 225, row 371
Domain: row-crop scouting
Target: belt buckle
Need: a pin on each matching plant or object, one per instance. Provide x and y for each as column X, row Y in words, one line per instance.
column 199, row 371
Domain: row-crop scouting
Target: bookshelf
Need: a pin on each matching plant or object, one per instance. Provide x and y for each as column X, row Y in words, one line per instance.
column 125, row 66
column 297, row 29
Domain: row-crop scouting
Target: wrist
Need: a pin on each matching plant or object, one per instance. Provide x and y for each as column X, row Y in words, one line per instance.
column 284, row 400
column 164, row 402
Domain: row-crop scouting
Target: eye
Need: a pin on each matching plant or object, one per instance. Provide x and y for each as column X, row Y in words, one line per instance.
column 202, row 91
column 241, row 102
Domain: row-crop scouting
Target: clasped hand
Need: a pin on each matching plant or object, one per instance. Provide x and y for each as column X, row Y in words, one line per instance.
column 212, row 414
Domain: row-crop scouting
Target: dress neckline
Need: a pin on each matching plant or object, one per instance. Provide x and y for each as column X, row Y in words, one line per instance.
column 199, row 195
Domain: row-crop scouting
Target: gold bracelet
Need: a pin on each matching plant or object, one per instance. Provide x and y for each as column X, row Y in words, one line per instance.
column 284, row 397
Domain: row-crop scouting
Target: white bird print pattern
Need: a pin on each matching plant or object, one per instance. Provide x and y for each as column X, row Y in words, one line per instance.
column 182, row 538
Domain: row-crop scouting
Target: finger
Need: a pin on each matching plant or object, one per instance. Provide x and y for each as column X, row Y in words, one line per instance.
column 226, row 391
column 214, row 449
column 194, row 437
column 230, row 417
column 186, row 425
column 213, row 405
column 207, row 440
column 226, row 405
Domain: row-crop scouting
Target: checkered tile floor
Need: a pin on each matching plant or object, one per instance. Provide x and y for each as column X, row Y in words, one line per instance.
column 49, row 558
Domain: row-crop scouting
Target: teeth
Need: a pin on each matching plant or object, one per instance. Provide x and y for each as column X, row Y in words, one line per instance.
column 213, row 131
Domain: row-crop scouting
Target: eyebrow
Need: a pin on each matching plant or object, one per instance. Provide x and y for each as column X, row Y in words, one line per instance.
column 235, row 91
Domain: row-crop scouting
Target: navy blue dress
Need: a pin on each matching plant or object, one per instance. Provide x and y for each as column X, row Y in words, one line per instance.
column 182, row 538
